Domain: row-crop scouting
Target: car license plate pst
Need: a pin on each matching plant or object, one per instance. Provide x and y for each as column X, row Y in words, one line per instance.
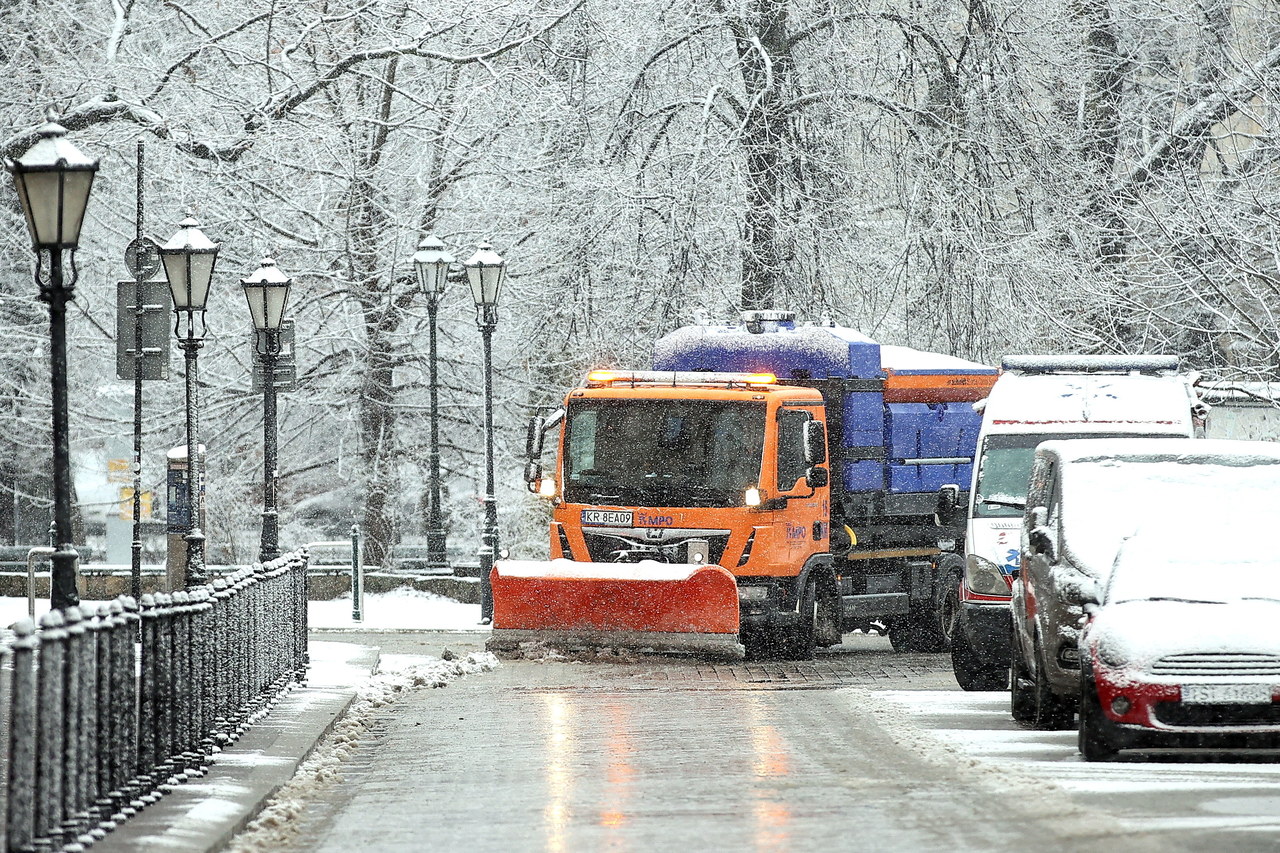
column 1226, row 694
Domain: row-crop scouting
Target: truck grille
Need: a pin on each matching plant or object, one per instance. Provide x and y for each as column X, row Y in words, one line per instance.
column 672, row 547
column 1217, row 663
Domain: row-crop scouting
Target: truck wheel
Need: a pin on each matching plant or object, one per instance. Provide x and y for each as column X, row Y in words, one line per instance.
column 1050, row 712
column 1095, row 742
column 798, row 644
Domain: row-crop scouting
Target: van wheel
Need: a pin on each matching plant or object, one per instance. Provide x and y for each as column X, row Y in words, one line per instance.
column 917, row 631
column 1096, row 743
column 973, row 676
column 948, row 609
column 1050, row 712
column 1022, row 701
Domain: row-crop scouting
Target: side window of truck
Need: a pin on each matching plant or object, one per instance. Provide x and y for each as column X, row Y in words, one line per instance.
column 791, row 462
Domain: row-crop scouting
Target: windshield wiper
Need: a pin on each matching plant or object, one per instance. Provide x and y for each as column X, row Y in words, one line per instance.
column 1177, row 599
column 1010, row 504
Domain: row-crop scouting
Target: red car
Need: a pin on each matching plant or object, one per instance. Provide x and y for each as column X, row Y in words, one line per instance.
column 1182, row 649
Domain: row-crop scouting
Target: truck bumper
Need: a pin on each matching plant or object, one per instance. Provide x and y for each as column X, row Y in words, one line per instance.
column 758, row 620
column 986, row 627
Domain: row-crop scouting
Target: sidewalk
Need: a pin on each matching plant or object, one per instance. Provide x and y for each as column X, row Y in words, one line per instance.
column 201, row 816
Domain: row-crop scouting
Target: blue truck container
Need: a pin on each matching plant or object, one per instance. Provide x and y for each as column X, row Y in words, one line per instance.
column 904, row 417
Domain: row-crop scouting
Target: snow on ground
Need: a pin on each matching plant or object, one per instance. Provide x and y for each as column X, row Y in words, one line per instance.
column 397, row 674
column 1236, row 791
column 399, row 609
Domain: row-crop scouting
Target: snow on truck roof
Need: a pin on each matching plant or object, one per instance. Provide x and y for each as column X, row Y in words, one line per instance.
column 1185, row 451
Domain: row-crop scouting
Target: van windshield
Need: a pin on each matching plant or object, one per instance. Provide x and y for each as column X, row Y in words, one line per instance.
column 662, row 453
column 1004, row 469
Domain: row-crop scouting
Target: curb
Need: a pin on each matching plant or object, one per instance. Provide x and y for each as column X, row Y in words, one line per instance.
column 203, row 815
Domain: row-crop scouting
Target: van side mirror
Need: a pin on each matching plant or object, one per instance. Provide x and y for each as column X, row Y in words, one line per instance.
column 948, row 503
column 1041, row 542
column 816, row 477
column 815, row 443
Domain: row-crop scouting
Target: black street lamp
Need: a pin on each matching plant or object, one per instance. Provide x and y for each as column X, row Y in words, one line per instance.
column 53, row 180
column 267, row 290
column 189, row 258
column 486, row 271
column 431, row 262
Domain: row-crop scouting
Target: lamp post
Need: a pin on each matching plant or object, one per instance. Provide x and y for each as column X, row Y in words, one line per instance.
column 189, row 258
column 53, row 180
column 485, row 272
column 267, row 290
column 431, row 262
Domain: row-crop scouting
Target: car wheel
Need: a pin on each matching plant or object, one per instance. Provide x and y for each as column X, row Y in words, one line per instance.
column 970, row 674
column 1022, row 701
column 1096, row 742
column 1050, row 711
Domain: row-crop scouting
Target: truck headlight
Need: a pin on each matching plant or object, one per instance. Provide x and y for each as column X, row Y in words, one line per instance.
column 753, row 593
column 983, row 577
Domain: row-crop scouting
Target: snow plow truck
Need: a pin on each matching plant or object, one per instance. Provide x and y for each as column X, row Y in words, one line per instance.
column 764, row 488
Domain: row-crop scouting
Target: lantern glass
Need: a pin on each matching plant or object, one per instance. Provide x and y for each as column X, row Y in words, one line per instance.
column 53, row 180
column 189, row 259
column 432, row 262
column 486, row 271
column 267, row 291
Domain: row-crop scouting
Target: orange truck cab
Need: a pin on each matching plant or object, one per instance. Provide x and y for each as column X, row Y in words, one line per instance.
column 765, row 453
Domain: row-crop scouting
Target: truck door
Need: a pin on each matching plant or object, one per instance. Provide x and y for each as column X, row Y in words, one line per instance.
column 806, row 519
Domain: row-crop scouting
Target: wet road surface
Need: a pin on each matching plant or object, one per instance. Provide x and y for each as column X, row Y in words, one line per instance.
column 660, row 753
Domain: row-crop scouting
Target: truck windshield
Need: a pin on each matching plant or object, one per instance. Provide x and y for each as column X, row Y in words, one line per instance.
column 1004, row 470
column 662, row 453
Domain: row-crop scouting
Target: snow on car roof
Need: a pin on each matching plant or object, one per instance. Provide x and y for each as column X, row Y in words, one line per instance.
column 1111, row 487
column 1114, row 402
column 1187, row 556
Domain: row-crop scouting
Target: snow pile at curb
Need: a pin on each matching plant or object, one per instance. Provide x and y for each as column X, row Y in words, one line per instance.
column 278, row 821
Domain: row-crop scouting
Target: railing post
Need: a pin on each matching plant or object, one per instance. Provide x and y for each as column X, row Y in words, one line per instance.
column 22, row 783
column 49, row 731
column 357, row 576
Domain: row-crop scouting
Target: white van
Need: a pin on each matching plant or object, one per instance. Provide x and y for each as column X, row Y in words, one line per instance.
column 1035, row 399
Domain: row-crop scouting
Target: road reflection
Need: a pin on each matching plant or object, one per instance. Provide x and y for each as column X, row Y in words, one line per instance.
column 559, row 775
column 771, row 761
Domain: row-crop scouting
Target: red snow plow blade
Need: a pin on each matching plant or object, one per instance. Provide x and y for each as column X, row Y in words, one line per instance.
column 661, row 606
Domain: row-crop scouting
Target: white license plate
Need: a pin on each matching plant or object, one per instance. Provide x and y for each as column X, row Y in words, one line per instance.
column 606, row 517
column 1226, row 694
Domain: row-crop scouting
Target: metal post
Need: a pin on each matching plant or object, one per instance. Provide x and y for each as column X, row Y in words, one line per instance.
column 437, row 553
column 195, row 536
column 139, row 312
column 49, row 729
column 270, row 548
column 22, row 790
column 57, row 293
column 357, row 576
column 489, row 543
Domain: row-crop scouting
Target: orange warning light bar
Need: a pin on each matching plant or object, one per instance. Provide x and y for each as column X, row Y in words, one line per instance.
column 681, row 377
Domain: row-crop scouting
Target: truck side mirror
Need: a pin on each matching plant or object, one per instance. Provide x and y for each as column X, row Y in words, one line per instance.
column 815, row 443
column 817, row 477
column 533, row 452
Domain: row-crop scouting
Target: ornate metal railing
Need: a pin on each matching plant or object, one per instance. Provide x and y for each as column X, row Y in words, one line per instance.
column 108, row 707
